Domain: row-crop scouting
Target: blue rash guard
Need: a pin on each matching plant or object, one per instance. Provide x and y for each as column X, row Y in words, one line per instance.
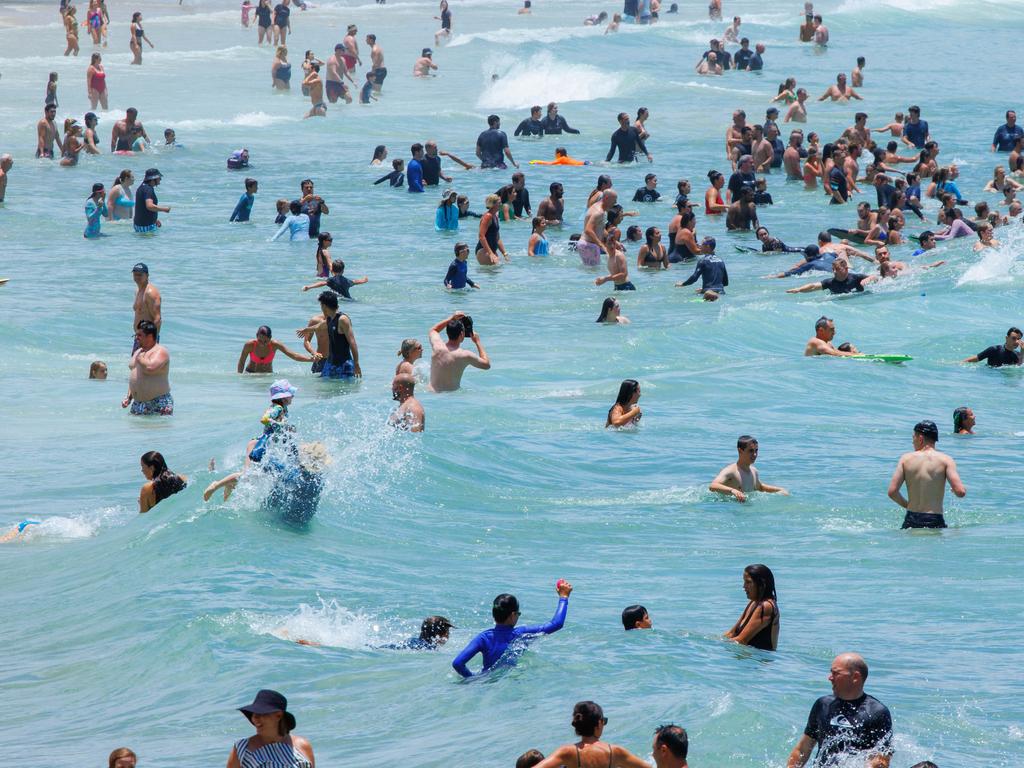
column 823, row 263
column 494, row 643
column 414, row 175
column 457, row 276
column 243, row 208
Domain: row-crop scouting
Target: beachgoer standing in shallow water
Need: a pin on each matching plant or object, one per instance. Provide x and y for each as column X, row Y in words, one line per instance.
column 625, row 412
column 273, row 743
column 741, row 478
column 149, row 391
column 589, row 722
column 448, row 360
column 258, row 354
column 925, row 472
column 137, row 36
column 96, row 82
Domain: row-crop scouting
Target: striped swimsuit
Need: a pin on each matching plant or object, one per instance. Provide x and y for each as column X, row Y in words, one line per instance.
column 279, row 755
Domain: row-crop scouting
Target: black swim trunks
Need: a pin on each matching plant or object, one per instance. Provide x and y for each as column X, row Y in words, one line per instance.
column 923, row 520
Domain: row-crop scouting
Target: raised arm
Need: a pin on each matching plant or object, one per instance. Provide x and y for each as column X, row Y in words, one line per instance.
column 480, row 360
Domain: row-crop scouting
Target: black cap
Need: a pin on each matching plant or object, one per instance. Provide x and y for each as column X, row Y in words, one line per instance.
column 811, row 252
column 91, row 115
column 427, row 52
column 140, row 267
column 927, row 429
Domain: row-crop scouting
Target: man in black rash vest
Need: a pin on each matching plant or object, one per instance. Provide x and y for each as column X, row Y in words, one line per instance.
column 554, row 124
column 521, row 203
column 626, row 140
column 842, row 280
column 848, row 722
column 431, row 165
column 1009, row 353
column 531, row 126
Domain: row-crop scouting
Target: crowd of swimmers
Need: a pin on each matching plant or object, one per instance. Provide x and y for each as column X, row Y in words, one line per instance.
column 848, row 720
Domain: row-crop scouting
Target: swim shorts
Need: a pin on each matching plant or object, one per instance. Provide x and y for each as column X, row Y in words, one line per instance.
column 379, row 75
column 146, row 228
column 350, row 61
column 626, row 286
column 590, row 253
column 923, row 520
column 335, row 90
column 344, row 371
column 158, row 406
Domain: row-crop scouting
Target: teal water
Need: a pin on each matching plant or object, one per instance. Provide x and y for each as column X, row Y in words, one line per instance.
column 149, row 631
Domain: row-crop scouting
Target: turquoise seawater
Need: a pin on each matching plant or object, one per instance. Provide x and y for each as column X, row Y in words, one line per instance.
column 149, row 631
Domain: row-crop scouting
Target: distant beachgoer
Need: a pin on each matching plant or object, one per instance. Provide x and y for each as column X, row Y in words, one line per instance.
column 258, row 354
column 96, row 82
column 741, row 478
column 446, row 23
column 409, row 415
column 6, row 163
column 71, row 31
column 758, row 625
column 711, row 270
column 146, row 203
column 635, row 617
column 963, row 421
column 489, row 243
column 529, row 758
column 243, row 208
column 47, row 133
column 95, row 210
column 161, row 482
column 625, row 412
column 424, row 64
column 457, row 277
column 281, row 70
column 98, row 370
column 147, row 303
column 137, row 36
column 149, row 391
column 121, row 758
column 821, row 343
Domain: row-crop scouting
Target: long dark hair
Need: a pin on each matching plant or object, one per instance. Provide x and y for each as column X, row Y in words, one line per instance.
column 606, row 307
column 378, row 152
column 649, row 234
column 763, row 579
column 165, row 482
column 626, row 390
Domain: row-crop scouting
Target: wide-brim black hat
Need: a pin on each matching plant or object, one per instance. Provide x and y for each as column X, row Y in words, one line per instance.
column 266, row 702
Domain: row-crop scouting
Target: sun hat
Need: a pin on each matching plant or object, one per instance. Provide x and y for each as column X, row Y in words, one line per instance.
column 266, row 702
column 281, row 389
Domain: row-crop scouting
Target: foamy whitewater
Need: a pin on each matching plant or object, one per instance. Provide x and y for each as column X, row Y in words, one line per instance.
column 149, row 631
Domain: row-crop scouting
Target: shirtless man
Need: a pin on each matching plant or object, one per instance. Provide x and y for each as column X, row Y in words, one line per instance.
column 149, row 392
column 734, row 134
column 590, row 246
column 618, row 272
column 315, row 85
column 840, row 91
column 807, row 28
column 859, row 133
column 791, row 157
column 448, row 359
column 424, row 64
column 551, row 208
column 409, row 414
column 316, row 322
column 762, row 151
column 376, row 63
column 797, row 112
column 925, row 471
column 820, row 31
column 857, row 75
column 821, row 343
column 47, row 133
column 147, row 302
column 125, row 132
column 351, row 56
column 6, row 163
column 335, row 76
column 739, row 479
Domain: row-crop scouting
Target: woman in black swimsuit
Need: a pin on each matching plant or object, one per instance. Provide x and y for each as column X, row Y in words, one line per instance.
column 652, row 254
column 588, row 721
column 758, row 625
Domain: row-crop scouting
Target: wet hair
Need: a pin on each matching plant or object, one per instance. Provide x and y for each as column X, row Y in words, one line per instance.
column 118, row 753
column 860, row 61
column 505, row 193
column 822, row 322
column 250, row 182
column 764, row 581
column 626, row 391
column 398, row 163
column 686, row 217
column 537, row 221
column 165, row 482
column 924, row 764
column 1014, row 329
column 504, row 604
column 372, row 38
column 136, row 16
column 674, row 738
column 714, row 176
column 615, row 214
column 328, row 299
column 926, row 235
column 554, row 186
column 634, row 233
column 606, row 307
column 264, row 330
column 631, row 615
column 959, row 415
column 433, row 627
column 586, row 716
column 94, row 368
column 604, row 179
column 649, row 235
column 529, row 758
column 295, row 207
column 493, row 121
column 337, row 267
column 378, row 152
column 417, row 147
column 148, row 328
column 745, row 441
column 643, row 111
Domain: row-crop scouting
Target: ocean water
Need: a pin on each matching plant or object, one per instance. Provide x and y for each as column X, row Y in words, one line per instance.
column 149, row 631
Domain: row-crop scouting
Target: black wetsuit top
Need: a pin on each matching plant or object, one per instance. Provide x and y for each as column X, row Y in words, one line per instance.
column 339, row 351
column 840, row 727
column 530, row 127
column 555, row 126
column 998, row 355
column 712, row 272
column 849, row 285
column 645, row 195
column 431, row 170
column 762, row 639
column 626, row 141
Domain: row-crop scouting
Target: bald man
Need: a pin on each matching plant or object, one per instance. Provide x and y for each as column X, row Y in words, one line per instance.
column 591, row 243
column 409, row 414
column 849, row 722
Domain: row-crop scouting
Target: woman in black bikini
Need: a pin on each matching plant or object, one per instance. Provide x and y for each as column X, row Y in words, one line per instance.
column 758, row 625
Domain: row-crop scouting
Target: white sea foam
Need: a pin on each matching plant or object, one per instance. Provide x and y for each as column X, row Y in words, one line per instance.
column 329, row 624
column 544, row 78
column 997, row 265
